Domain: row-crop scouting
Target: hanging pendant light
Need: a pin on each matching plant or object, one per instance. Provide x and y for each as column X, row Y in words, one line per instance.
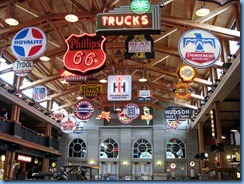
column 11, row 20
column 143, row 79
column 201, row 12
column 72, row 17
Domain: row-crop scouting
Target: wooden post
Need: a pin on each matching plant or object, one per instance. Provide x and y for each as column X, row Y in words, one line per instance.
column 201, row 144
column 219, row 132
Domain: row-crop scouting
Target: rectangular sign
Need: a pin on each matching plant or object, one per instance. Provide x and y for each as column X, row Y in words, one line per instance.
column 24, row 158
column 123, row 21
column 119, row 87
column 177, row 113
column 144, row 95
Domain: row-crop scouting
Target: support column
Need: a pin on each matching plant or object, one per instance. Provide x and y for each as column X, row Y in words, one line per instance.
column 15, row 113
column 201, row 144
column 45, row 164
column 220, row 155
column 9, row 165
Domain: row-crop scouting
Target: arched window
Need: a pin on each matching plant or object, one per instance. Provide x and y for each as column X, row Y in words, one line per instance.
column 109, row 149
column 175, row 149
column 142, row 149
column 77, row 148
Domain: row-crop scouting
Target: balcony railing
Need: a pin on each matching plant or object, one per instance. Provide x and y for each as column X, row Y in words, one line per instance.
column 8, row 127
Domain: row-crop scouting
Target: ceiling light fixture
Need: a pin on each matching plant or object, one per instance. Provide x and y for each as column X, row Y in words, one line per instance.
column 103, row 81
column 44, row 58
column 11, row 20
column 143, row 79
column 72, row 17
column 201, row 12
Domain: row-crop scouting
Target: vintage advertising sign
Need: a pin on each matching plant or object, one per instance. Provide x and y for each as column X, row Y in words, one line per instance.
column 29, row 43
column 140, row 6
column 91, row 89
column 79, row 128
column 104, row 115
column 199, row 48
column 70, row 77
column 39, row 93
column 123, row 119
column 146, row 115
column 68, row 124
column 83, row 110
column 84, row 52
column 139, row 47
column 144, row 95
column 119, row 87
column 177, row 113
column 22, row 68
column 131, row 111
column 182, row 90
column 58, row 115
column 187, row 73
column 124, row 21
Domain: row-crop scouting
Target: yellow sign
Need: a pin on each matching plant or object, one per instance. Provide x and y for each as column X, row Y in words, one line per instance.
column 91, row 90
column 187, row 73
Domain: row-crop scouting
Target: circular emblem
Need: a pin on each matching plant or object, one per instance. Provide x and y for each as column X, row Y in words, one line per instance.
column 199, row 48
column 123, row 119
column 187, row 73
column 39, row 93
column 83, row 110
column 68, row 124
column 140, row 6
column 22, row 68
column 58, row 115
column 131, row 111
column 29, row 43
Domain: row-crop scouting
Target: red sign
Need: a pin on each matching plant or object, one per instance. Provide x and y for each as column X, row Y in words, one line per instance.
column 24, row 158
column 84, row 52
column 70, row 77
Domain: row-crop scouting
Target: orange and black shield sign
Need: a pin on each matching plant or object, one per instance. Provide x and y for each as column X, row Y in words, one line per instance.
column 84, row 52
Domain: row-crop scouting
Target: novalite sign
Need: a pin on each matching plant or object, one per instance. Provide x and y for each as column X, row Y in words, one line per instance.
column 123, row 21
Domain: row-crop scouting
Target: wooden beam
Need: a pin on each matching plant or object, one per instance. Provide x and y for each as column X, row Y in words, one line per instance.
column 41, row 81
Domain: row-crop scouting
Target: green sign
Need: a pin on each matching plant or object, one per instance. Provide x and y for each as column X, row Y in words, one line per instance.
column 140, row 6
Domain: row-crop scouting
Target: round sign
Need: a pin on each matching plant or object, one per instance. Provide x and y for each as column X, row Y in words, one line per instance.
column 83, row 110
column 29, row 43
column 22, row 68
column 68, row 124
column 58, row 115
column 140, row 6
column 199, row 48
column 131, row 111
column 187, row 73
column 39, row 93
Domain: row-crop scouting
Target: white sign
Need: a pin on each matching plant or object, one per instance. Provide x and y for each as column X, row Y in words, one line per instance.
column 199, row 48
column 29, row 43
column 119, row 88
column 139, row 46
column 68, row 124
column 22, row 68
column 39, row 93
column 131, row 111
column 144, row 95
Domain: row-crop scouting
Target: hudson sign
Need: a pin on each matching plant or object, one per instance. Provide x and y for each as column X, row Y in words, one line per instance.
column 177, row 113
column 123, row 21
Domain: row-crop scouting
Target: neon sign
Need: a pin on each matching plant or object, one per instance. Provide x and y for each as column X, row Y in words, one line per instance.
column 24, row 158
column 84, row 52
column 140, row 6
column 124, row 21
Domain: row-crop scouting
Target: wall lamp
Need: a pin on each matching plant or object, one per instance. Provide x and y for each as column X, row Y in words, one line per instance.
column 125, row 163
